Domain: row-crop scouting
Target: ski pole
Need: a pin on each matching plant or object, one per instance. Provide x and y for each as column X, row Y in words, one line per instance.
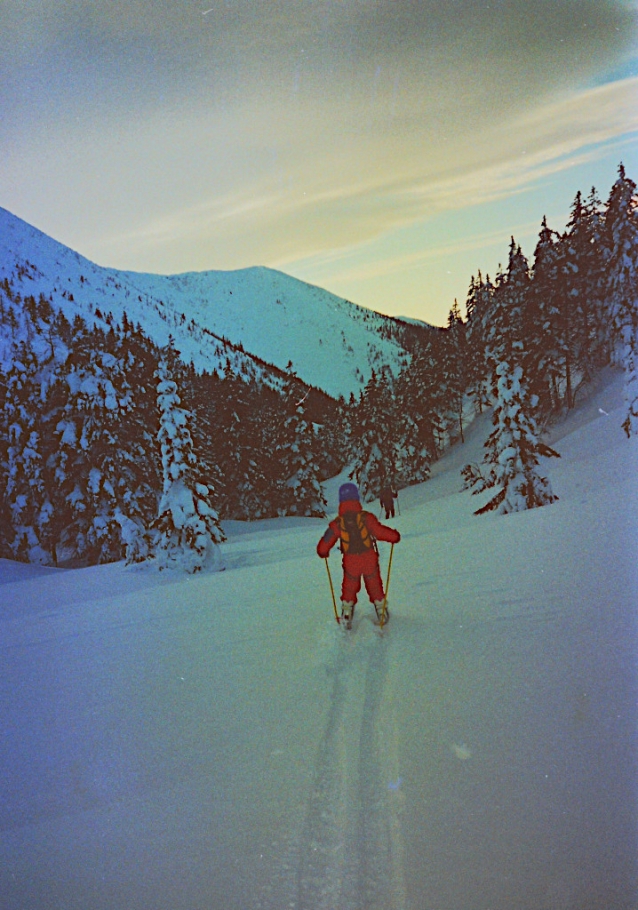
column 387, row 585
column 332, row 590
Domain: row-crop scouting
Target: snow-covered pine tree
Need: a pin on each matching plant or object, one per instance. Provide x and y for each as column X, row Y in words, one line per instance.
column 595, row 277
column 476, row 306
column 376, row 437
column 582, row 265
column 334, row 438
column 417, row 404
column 414, row 455
column 233, row 443
column 346, row 416
column 453, row 375
column 540, row 318
column 138, row 479
column 187, row 530
column 621, row 222
column 90, row 411
column 512, row 451
column 253, row 481
column 301, row 490
column 570, row 324
column 28, row 504
column 562, row 321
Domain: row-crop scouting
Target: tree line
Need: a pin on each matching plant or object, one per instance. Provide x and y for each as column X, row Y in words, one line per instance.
column 532, row 338
column 112, row 447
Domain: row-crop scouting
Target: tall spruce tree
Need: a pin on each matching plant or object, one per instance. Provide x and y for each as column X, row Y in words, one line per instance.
column 453, row 376
column 375, row 436
column 138, row 478
column 622, row 287
column 513, row 450
column 186, row 532
column 415, row 445
column 301, row 491
column 418, row 402
column 540, row 320
column 583, row 269
column 477, row 305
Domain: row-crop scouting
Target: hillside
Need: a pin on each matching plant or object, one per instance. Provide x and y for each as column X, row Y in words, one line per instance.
column 217, row 742
column 254, row 317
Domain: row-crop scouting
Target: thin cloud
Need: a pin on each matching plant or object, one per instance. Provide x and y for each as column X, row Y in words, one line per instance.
column 176, row 137
column 400, row 263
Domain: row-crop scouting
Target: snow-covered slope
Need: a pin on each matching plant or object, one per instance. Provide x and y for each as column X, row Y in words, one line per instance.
column 333, row 344
column 215, row 742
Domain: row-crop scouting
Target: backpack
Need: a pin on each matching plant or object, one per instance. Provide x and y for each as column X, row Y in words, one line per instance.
column 355, row 537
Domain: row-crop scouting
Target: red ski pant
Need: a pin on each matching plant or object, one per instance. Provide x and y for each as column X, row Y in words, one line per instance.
column 356, row 565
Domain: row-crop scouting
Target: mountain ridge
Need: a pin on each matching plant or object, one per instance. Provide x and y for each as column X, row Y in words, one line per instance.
column 256, row 319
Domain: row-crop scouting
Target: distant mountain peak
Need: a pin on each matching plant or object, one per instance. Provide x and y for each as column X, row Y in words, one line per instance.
column 252, row 317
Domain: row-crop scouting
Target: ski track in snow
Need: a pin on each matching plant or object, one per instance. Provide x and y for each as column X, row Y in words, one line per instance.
column 349, row 852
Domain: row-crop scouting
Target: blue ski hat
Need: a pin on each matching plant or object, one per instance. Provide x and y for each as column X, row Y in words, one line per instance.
column 347, row 492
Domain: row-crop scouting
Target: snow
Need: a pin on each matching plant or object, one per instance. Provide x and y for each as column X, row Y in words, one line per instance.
column 333, row 343
column 216, row 741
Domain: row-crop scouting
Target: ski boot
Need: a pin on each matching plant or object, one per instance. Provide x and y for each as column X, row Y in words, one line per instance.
column 378, row 609
column 347, row 612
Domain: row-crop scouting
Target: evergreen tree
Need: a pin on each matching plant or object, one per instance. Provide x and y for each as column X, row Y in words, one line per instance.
column 138, row 479
column 377, row 455
column 90, row 413
column 477, row 306
column 453, row 376
column 303, row 492
column 583, row 270
column 346, row 416
column 418, row 403
column 223, row 407
column 332, row 439
column 540, row 324
column 28, row 505
column 251, row 440
column 512, row 451
column 594, row 284
column 622, row 287
column 187, row 530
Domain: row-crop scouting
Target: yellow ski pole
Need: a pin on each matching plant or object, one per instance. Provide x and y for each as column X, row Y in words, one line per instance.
column 387, row 585
column 332, row 590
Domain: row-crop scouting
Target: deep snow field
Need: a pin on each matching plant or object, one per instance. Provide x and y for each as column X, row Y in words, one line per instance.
column 217, row 742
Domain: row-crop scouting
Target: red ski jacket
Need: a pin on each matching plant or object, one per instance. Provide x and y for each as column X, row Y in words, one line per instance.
column 374, row 526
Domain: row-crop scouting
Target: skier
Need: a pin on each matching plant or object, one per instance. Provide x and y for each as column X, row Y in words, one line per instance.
column 358, row 531
column 387, row 497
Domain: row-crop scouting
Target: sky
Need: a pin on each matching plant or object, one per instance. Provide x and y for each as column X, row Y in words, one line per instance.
column 385, row 150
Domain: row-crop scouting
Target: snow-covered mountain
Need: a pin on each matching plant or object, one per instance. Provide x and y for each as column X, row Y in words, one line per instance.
column 254, row 317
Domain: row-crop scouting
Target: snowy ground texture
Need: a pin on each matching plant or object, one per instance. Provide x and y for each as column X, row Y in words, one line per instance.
column 172, row 743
